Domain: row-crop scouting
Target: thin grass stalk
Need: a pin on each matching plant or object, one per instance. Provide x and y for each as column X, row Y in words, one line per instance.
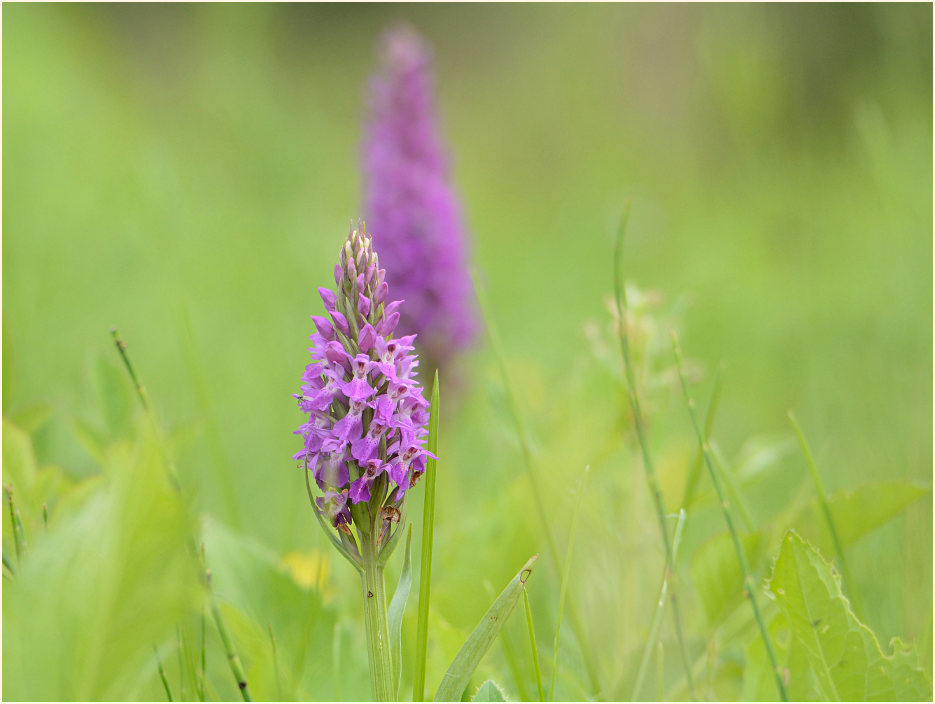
column 202, row 685
column 45, row 515
column 532, row 645
column 826, row 510
column 691, row 481
column 749, row 587
column 232, row 658
column 272, row 642
column 620, row 298
column 428, row 530
column 544, row 520
column 660, row 671
column 657, row 616
column 182, row 664
column 563, row 590
column 162, row 675
column 733, row 491
column 144, row 401
column 19, row 537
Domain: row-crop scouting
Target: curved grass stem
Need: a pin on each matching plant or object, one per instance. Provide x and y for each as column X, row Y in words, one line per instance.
column 545, row 520
column 563, row 591
column 620, row 298
column 657, row 616
column 749, row 586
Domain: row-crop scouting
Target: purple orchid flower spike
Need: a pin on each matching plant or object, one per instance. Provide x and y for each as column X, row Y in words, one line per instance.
column 366, row 414
column 414, row 209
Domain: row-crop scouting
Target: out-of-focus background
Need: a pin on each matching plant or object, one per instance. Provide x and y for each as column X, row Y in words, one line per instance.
column 187, row 173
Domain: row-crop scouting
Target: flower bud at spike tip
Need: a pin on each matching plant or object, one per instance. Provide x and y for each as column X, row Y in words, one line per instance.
column 368, row 417
column 410, row 203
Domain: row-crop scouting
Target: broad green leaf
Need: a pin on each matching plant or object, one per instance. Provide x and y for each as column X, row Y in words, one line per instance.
column 97, row 589
column 716, row 572
column 843, row 654
column 397, row 608
column 490, row 691
column 859, row 512
column 469, row 657
column 256, row 588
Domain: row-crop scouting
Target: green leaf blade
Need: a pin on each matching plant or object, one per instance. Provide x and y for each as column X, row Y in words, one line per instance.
column 478, row 643
column 490, row 691
column 397, row 608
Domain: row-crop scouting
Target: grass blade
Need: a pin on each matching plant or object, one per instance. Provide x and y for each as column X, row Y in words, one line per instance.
column 276, row 668
column 396, row 610
column 691, row 482
column 183, row 669
column 749, row 587
column 509, row 652
column 144, row 401
column 478, row 643
column 232, row 658
column 563, row 590
column 533, row 646
column 544, row 520
column 428, row 527
column 162, row 675
column 19, row 537
column 620, row 298
column 657, row 616
column 826, row 509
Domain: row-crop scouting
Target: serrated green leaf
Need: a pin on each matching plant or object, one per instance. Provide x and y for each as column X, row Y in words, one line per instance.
column 475, row 647
column 490, row 691
column 843, row 654
column 394, row 614
column 717, row 575
column 859, row 512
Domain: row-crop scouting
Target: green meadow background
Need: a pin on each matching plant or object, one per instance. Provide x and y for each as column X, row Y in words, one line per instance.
column 187, row 173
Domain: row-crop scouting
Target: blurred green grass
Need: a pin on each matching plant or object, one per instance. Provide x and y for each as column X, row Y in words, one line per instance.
column 199, row 163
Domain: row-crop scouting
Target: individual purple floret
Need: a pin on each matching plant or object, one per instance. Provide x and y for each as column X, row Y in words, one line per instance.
column 367, row 416
column 410, row 203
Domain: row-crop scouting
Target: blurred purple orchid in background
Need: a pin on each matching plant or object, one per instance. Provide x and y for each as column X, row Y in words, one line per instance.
column 411, row 205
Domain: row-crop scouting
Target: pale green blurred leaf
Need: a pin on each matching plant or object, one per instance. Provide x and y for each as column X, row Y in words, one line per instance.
column 116, row 394
column 857, row 513
column 489, row 691
column 19, row 459
column 90, row 438
column 33, row 417
column 716, row 572
column 843, row 654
